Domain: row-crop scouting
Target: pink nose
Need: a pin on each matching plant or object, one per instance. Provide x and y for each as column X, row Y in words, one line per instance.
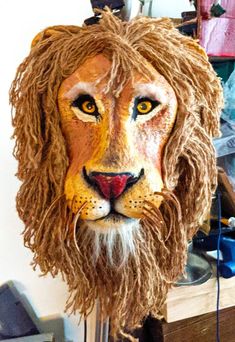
column 111, row 186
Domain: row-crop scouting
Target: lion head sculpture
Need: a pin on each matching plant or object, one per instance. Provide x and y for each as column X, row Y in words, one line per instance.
column 113, row 128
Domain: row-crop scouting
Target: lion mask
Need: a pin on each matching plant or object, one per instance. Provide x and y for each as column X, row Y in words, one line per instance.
column 113, row 128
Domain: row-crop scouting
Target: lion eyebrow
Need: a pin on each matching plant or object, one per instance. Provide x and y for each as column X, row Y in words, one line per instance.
column 151, row 90
column 81, row 87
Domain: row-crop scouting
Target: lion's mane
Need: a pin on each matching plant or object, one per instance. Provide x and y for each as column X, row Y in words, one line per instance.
column 188, row 165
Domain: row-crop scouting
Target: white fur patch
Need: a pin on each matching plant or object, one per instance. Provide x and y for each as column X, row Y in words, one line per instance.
column 81, row 88
column 151, row 90
column 83, row 116
column 120, row 237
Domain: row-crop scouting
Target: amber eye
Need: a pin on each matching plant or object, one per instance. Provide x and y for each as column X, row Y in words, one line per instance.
column 88, row 107
column 144, row 107
column 86, row 104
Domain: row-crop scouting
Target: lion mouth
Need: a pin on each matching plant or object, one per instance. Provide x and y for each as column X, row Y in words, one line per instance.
column 112, row 222
column 114, row 216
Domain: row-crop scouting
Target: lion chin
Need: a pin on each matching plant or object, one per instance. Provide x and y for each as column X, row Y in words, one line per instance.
column 114, row 230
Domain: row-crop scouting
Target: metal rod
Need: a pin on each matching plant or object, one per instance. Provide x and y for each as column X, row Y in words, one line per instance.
column 97, row 330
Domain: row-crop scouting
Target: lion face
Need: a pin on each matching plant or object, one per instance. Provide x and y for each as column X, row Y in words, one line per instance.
column 115, row 145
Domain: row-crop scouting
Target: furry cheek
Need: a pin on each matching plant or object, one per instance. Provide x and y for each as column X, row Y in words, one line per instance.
column 78, row 195
column 134, row 201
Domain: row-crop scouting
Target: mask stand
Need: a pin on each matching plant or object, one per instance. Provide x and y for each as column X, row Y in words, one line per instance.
column 97, row 331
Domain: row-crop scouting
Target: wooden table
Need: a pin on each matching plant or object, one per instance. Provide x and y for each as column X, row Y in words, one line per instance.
column 190, row 315
column 195, row 329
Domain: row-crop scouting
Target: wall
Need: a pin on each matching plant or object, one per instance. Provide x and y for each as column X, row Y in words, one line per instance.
column 169, row 8
column 19, row 22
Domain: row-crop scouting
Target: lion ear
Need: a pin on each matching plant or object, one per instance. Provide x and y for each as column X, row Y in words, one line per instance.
column 54, row 31
column 45, row 34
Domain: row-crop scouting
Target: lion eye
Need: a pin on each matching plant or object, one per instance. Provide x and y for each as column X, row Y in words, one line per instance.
column 143, row 106
column 86, row 104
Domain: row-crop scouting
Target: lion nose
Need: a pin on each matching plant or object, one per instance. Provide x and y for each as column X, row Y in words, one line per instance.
column 111, row 185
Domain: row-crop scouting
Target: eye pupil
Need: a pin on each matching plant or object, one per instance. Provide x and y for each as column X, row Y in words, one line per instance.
column 89, row 105
column 143, row 106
